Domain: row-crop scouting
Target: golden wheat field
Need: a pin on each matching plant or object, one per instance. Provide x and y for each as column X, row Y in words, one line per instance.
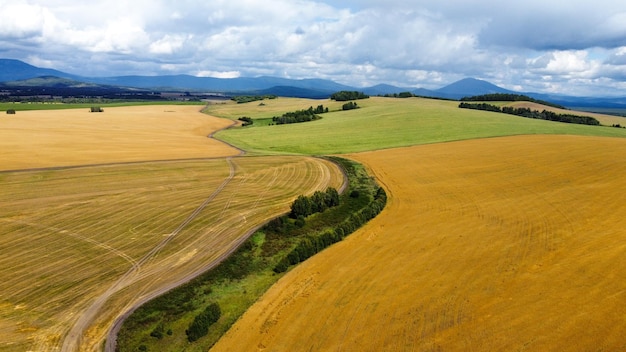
column 502, row 244
column 51, row 138
column 81, row 246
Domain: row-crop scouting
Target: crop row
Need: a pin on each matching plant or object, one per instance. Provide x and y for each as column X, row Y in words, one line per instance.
column 67, row 241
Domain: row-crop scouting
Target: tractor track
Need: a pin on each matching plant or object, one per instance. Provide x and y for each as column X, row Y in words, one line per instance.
column 73, row 339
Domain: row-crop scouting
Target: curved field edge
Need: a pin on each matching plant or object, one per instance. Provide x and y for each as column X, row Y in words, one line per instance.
column 513, row 243
column 57, row 230
column 240, row 280
column 61, row 138
column 381, row 123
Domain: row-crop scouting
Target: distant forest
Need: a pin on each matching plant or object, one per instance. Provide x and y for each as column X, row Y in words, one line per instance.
column 533, row 114
column 510, row 97
column 345, row 95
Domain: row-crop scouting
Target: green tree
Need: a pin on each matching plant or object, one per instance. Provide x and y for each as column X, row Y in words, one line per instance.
column 332, row 197
column 348, row 95
column 200, row 325
column 301, row 207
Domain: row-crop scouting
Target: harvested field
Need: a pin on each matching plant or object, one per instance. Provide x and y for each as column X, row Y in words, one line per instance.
column 80, row 246
column 502, row 244
column 52, row 138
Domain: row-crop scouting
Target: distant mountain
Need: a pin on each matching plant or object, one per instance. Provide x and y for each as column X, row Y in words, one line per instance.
column 469, row 87
column 15, row 70
column 295, row 92
column 48, row 81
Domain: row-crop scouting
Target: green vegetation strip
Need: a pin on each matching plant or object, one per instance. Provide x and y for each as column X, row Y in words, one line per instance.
column 194, row 316
column 534, row 114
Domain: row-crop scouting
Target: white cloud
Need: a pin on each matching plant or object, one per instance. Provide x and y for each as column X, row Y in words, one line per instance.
column 531, row 44
column 168, row 44
column 218, row 74
column 20, row 19
column 571, row 62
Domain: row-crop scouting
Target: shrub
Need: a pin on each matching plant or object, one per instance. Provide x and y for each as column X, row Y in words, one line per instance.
column 349, row 106
column 200, row 325
column 158, row 331
column 246, row 121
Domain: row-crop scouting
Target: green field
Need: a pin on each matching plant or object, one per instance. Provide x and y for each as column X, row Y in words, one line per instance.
column 380, row 123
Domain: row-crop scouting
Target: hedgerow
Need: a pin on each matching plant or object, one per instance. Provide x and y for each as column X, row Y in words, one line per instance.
column 272, row 250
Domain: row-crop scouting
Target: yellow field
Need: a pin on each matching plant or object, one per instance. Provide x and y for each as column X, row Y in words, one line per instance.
column 81, row 246
column 49, row 138
column 503, row 244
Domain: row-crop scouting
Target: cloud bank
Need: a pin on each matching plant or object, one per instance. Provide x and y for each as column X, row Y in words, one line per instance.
column 577, row 49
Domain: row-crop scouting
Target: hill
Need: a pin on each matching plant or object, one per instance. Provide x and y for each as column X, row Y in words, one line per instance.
column 15, row 70
column 381, row 123
column 469, row 86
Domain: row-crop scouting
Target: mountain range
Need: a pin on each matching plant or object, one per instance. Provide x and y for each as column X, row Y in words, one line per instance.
column 17, row 73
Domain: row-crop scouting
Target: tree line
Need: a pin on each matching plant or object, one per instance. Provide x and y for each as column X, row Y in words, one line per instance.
column 346, row 95
column 533, row 114
column 312, row 244
column 317, row 203
column 510, row 97
column 250, row 98
column 275, row 247
column 310, row 114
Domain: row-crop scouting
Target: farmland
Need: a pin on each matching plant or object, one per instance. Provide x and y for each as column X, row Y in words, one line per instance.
column 466, row 224
column 383, row 123
column 59, row 227
column 82, row 245
column 513, row 243
column 52, row 138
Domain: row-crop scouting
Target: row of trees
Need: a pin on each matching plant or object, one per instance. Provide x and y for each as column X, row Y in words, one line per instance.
column 199, row 327
column 310, row 114
column 317, row 203
column 162, row 318
column 314, row 243
column 510, row 97
column 534, row 114
column 250, row 98
column 345, row 95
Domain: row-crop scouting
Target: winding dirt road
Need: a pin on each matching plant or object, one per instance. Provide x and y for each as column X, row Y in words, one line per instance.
column 74, row 337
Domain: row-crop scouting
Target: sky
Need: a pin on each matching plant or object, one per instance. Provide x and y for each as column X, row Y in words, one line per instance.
column 569, row 47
